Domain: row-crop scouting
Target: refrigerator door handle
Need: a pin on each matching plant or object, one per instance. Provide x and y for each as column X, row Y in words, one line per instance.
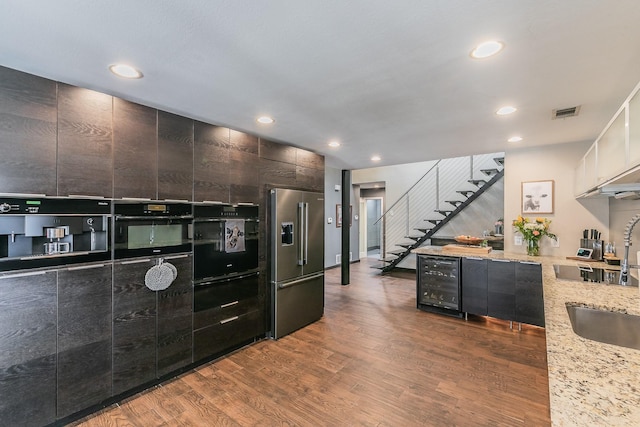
column 298, row 281
column 301, row 233
column 306, row 234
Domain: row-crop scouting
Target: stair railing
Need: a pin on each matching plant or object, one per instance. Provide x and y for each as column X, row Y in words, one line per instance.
column 420, row 203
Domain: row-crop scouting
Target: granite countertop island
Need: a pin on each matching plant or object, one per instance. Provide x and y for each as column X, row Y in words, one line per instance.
column 590, row 383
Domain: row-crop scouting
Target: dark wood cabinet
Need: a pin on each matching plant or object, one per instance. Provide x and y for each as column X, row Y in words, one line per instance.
column 175, row 319
column 85, row 149
column 84, row 337
column 175, row 157
column 28, row 126
column 475, row 285
column 508, row 290
column 28, row 348
column 309, row 170
column 243, row 168
column 501, row 299
column 529, row 295
column 135, row 150
column 211, row 179
column 227, row 313
column 134, row 326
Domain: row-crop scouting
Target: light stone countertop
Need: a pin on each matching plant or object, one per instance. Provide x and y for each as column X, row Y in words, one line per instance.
column 590, row 383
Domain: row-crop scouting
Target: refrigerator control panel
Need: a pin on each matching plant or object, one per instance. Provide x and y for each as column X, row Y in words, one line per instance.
column 287, row 233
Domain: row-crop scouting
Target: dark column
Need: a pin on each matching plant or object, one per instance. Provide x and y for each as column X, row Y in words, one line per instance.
column 346, row 229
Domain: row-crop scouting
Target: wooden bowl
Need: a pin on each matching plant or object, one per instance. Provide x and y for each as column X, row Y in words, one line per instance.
column 469, row 240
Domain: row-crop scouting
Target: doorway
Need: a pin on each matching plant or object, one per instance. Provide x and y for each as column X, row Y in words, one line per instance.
column 371, row 227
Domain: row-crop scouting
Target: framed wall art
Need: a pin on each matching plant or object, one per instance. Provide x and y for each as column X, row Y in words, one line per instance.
column 339, row 215
column 537, row 197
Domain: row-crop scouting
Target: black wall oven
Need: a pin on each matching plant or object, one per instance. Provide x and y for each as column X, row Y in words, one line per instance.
column 151, row 228
column 225, row 241
column 226, row 278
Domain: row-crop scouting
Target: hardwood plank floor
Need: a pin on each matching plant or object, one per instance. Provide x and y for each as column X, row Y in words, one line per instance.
column 372, row 360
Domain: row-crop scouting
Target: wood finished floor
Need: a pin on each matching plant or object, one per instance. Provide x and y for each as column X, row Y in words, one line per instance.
column 372, row 360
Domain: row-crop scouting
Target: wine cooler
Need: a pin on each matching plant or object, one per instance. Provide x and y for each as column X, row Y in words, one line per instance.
column 438, row 284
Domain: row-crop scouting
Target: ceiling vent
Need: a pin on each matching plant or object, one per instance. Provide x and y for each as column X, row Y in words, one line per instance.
column 561, row 113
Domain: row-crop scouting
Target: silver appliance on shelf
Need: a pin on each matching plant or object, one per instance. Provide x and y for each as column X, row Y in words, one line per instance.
column 297, row 259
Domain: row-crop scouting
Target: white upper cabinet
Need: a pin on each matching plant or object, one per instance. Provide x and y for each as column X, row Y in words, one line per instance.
column 612, row 152
column 634, row 129
column 612, row 163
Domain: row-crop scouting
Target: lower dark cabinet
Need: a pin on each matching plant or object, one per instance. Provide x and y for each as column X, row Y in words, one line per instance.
column 508, row 290
column 474, row 285
column 501, row 299
column 227, row 313
column 175, row 319
column 226, row 334
column 134, row 326
column 84, row 337
column 28, row 348
column 152, row 331
column 529, row 296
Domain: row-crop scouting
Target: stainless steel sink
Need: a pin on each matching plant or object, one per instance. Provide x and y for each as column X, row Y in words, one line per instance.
column 610, row 327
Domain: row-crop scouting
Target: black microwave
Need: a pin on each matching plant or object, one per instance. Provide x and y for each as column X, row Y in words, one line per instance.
column 151, row 228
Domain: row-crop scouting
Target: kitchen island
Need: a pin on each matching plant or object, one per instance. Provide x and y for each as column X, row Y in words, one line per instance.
column 590, row 383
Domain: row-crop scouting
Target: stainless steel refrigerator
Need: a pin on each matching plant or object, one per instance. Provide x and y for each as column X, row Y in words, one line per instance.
column 297, row 259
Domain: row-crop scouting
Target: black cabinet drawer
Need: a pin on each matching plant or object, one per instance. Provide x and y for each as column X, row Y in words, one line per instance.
column 214, row 315
column 226, row 334
column 219, row 293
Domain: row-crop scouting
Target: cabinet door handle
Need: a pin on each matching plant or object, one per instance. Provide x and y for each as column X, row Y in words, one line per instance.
column 176, row 256
column 137, row 261
column 500, row 260
column 85, row 267
column 229, row 304
column 33, row 273
column 530, row 262
column 474, row 258
column 230, row 319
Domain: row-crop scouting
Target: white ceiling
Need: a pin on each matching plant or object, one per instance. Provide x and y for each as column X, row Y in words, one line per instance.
column 392, row 78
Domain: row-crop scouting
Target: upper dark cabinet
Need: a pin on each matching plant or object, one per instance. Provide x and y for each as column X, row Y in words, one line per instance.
column 309, row 170
column 135, row 150
column 243, row 168
column 211, row 163
column 27, row 133
column 85, row 154
column 279, row 152
column 175, row 157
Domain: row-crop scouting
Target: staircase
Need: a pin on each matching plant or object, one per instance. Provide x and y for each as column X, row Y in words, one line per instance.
column 432, row 202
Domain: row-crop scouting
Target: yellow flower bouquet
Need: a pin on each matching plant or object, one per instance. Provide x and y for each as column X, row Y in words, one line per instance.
column 532, row 230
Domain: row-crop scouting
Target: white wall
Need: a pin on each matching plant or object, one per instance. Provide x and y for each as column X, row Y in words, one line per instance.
column 571, row 216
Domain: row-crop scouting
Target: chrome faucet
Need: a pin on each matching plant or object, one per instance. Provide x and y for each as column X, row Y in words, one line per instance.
column 624, row 269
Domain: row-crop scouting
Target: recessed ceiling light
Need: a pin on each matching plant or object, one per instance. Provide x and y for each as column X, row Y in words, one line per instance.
column 265, row 120
column 487, row 49
column 126, row 71
column 503, row 111
column 515, row 139
column 375, row 158
column 334, row 144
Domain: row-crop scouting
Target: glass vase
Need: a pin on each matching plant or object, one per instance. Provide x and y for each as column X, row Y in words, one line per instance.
column 533, row 247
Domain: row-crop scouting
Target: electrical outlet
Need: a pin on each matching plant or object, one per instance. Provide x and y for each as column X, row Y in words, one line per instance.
column 555, row 243
column 517, row 240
